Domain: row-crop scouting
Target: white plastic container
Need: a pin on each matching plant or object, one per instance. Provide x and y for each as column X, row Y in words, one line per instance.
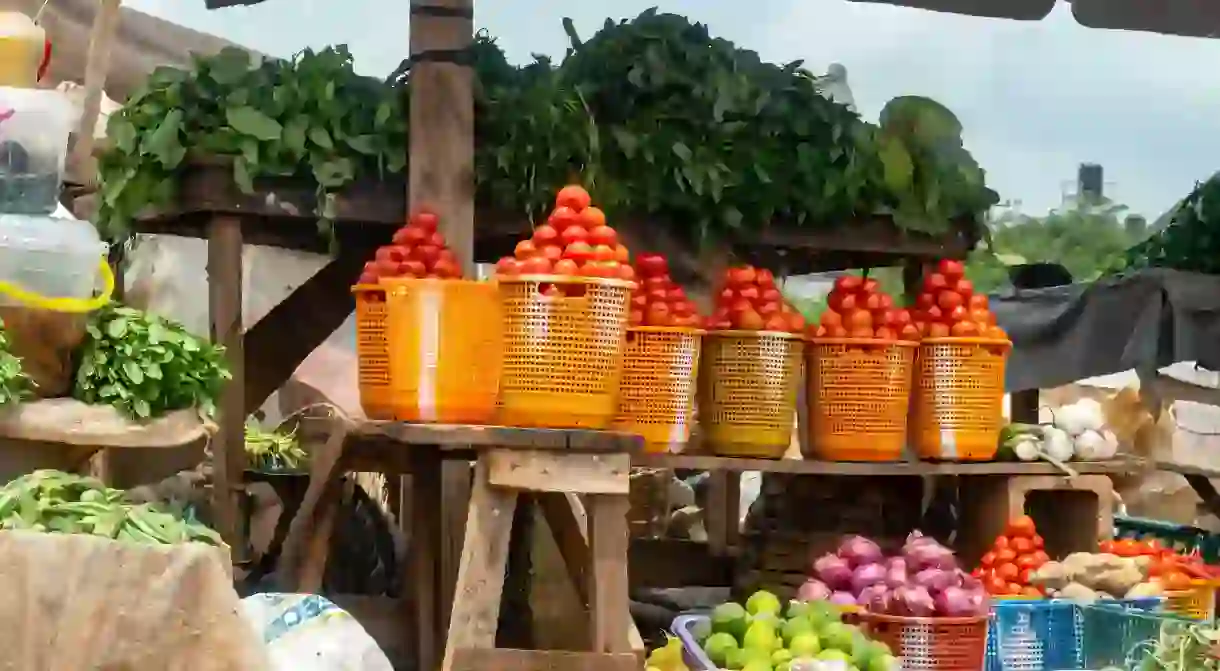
column 34, row 130
column 56, row 258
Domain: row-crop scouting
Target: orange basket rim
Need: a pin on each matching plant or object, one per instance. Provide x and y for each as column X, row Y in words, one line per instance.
column 734, row 333
column 864, row 341
column 433, row 281
column 679, row 330
column 951, row 340
column 567, row 279
column 903, row 619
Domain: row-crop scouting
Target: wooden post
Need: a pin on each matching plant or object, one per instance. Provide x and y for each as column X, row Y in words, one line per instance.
column 229, row 444
column 97, row 67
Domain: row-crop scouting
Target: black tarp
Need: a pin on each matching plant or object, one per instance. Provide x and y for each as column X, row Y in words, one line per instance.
column 1144, row 320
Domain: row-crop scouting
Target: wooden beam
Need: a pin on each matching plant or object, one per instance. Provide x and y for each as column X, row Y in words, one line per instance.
column 507, row 659
column 229, row 443
column 97, row 67
column 442, row 120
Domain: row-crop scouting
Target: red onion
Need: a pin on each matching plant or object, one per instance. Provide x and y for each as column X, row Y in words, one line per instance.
column 926, row 553
column 875, row 598
column 896, row 572
column 833, row 570
column 936, row 580
column 858, row 550
column 913, row 601
column 957, row 602
column 843, row 599
column 813, row 590
column 865, row 575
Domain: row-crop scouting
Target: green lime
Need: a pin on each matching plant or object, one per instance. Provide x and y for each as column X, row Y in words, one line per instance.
column 718, row 647
column 763, row 601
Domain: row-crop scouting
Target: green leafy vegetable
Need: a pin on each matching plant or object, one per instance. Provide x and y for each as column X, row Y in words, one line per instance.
column 1191, row 239
column 273, row 450
column 58, row 502
column 146, row 365
column 15, row 385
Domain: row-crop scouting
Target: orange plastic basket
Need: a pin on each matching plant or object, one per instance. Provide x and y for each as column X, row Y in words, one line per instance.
column 748, row 387
column 858, row 395
column 563, row 354
column 957, row 407
column 932, row 643
column 657, row 394
column 1197, row 603
column 429, row 350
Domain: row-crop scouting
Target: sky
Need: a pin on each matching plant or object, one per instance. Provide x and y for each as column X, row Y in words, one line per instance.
column 1036, row 98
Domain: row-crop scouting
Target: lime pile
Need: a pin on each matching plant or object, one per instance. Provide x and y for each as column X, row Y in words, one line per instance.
column 667, row 657
column 764, row 636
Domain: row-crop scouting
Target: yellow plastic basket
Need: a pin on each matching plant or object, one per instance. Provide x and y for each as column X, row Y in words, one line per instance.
column 748, row 387
column 657, row 393
column 957, row 405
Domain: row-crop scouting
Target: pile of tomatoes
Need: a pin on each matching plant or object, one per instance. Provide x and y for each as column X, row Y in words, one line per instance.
column 1006, row 569
column 418, row 250
column 857, row 308
column 657, row 301
column 748, row 300
column 948, row 307
column 1173, row 570
column 574, row 241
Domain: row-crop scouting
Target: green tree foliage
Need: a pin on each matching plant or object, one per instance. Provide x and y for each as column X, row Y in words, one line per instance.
column 1087, row 238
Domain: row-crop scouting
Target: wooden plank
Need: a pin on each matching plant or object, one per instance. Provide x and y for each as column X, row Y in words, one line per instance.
column 476, row 603
column 423, row 564
column 608, row 602
column 455, row 500
column 325, row 467
column 812, row 467
column 442, row 120
column 97, row 68
column 504, row 437
column 311, row 314
column 722, row 515
column 229, row 444
column 505, row 659
column 565, row 515
column 551, row 471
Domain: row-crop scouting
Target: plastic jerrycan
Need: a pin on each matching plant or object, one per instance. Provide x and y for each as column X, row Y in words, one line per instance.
column 22, row 50
column 53, row 264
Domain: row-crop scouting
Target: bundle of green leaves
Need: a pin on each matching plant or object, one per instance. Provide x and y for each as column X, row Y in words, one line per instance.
column 309, row 117
column 146, row 365
column 15, row 385
column 1190, row 240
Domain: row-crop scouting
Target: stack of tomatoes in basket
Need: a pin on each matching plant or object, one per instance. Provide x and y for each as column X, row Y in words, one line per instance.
column 574, row 241
column 657, row 301
column 857, row 308
column 1007, row 568
column 417, row 251
column 948, row 306
column 748, row 300
column 1174, row 570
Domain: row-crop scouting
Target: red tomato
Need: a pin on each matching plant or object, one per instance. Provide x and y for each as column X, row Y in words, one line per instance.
column 980, row 316
column 964, row 287
column 887, row 302
column 446, row 269
column 861, row 333
column 1027, row 561
column 578, row 251
column 652, row 265
column 1031, row 592
column 796, row 322
column 593, row 217
column 635, row 318
column 1025, row 576
column 545, row 235
column 603, row 235
column 948, row 300
column 966, row 329
column 776, row 322
column 573, row 196
column 979, row 302
column 885, row 333
column 388, row 253
column 1038, row 542
column 572, row 234
column 525, row 250
column 951, row 269
column 848, row 284
column 748, row 292
column 934, row 314
column 1042, row 557
column 902, row 317
column 427, row 221
column 842, row 303
column 768, row 295
column 830, row 319
column 748, row 320
column 567, row 267
column 1126, row 547
column 415, row 268
column 603, row 253
column 869, row 286
column 657, row 315
column 426, row 253
column 909, row 332
column 859, row 319
column 768, row 309
column 765, row 278
column 872, row 302
column 1176, row 581
column 1005, row 556
column 367, row 278
column 935, row 283
column 536, row 266
column 938, row 330
column 1106, row 547
column 1002, row 542
column 996, row 586
column 1021, row 526
column 622, row 255
column 1022, row 545
column 957, row 314
column 508, row 266
column 742, row 276
column 925, row 300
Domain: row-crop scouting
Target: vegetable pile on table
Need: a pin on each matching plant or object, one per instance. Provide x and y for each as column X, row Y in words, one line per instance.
column 56, row 502
column 948, row 307
column 14, row 383
column 747, row 299
column 1088, row 576
column 1008, row 567
column 417, row 250
column 146, row 365
column 657, row 300
column 923, row 580
column 857, row 308
column 762, row 635
column 574, row 241
column 273, row 451
column 1077, row 431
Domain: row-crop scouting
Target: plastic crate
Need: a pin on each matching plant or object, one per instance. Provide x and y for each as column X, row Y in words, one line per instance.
column 1114, row 635
column 684, row 628
column 1180, row 537
column 1041, row 635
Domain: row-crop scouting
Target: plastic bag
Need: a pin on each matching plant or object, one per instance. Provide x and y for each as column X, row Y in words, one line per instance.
column 307, row 632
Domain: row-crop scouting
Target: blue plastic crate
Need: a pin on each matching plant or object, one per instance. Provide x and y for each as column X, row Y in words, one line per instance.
column 1041, row 635
column 1114, row 635
column 684, row 628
